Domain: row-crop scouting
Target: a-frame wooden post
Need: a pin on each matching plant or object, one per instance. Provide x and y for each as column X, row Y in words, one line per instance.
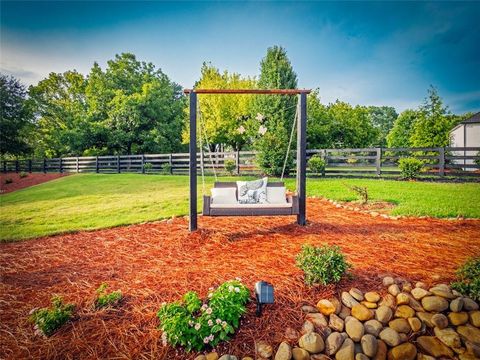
column 301, row 159
column 193, row 162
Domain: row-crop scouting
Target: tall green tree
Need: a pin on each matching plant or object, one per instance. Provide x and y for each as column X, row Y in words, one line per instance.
column 276, row 112
column 432, row 128
column 383, row 118
column 401, row 133
column 15, row 117
column 60, row 109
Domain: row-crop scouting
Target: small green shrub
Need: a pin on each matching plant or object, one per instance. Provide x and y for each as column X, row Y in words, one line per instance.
column 322, row 265
column 230, row 166
column 361, row 191
column 23, row 174
column 195, row 325
column 48, row 320
column 410, row 167
column 105, row 298
column 468, row 279
column 316, row 164
column 8, row 181
column 166, row 168
column 148, row 167
column 352, row 161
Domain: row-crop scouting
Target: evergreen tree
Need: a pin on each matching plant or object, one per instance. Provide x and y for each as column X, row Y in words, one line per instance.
column 276, row 112
column 432, row 128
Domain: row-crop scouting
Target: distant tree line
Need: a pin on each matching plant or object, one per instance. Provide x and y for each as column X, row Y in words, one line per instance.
column 131, row 107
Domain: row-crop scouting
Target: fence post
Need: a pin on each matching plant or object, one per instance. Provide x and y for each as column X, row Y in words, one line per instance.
column 325, row 158
column 16, row 166
column 44, row 165
column 96, row 164
column 5, row 166
column 77, row 165
column 378, row 161
column 441, row 161
column 237, row 161
column 30, row 165
column 60, row 166
column 170, row 161
column 118, row 164
column 143, row 164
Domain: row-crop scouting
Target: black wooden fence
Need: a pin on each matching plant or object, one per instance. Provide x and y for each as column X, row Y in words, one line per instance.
column 448, row 161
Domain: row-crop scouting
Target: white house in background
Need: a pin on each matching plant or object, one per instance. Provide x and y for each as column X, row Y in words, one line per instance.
column 466, row 134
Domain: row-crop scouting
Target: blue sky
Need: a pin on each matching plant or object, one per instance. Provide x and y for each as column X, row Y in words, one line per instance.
column 370, row 53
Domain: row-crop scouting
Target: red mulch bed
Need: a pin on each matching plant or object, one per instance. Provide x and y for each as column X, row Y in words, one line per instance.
column 157, row 262
column 30, row 180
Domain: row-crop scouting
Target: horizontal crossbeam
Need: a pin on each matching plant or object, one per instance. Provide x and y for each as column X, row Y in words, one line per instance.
column 249, row 91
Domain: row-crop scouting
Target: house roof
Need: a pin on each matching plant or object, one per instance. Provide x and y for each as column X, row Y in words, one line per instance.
column 474, row 119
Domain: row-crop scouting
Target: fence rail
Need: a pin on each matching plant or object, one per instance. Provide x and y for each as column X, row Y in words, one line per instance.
column 449, row 161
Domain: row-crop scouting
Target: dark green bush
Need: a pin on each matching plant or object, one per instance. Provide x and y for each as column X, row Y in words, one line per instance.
column 272, row 150
column 316, row 164
column 322, row 265
column 230, row 166
column 195, row 325
column 48, row 320
column 410, row 167
column 105, row 298
column 468, row 279
column 8, row 181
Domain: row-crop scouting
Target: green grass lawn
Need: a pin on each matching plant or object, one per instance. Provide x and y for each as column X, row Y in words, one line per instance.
column 93, row 201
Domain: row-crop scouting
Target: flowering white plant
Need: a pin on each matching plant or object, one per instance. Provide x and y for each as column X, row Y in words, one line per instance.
column 194, row 324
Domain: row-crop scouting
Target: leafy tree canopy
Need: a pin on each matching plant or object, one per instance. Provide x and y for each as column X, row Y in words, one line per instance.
column 15, row 117
column 401, row 132
column 338, row 125
column 383, row 118
column 131, row 107
column 222, row 117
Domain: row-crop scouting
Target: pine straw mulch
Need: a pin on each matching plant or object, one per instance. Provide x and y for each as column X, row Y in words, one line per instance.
column 157, row 262
column 30, row 180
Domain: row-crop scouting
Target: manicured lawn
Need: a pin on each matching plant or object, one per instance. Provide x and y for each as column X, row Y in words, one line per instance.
column 91, row 201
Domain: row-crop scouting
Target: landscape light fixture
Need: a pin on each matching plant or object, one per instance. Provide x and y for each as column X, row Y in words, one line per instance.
column 264, row 295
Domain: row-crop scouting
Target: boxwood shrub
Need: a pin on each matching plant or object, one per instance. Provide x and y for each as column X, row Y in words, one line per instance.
column 322, row 265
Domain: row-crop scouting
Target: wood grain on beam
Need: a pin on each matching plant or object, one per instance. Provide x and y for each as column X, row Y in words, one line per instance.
column 249, row 91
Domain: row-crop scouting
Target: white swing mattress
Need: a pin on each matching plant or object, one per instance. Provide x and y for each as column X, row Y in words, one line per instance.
column 250, row 206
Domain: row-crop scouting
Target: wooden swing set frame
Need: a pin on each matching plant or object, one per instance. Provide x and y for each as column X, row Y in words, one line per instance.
column 300, row 205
